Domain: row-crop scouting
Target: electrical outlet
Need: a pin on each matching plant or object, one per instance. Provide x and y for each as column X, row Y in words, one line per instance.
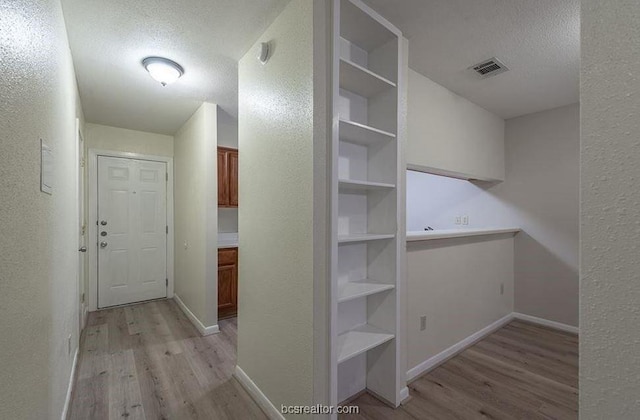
column 423, row 323
column 458, row 220
column 465, row 220
column 69, row 344
column 502, row 288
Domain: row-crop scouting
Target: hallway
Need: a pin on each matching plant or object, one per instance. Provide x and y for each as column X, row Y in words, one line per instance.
column 147, row 361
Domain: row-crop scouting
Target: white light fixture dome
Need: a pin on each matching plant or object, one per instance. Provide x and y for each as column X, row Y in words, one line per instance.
column 163, row 70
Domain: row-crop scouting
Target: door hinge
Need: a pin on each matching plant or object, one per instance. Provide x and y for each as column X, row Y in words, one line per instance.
column 167, row 229
column 166, row 176
column 167, row 283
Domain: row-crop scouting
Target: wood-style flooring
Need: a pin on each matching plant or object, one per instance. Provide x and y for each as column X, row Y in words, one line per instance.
column 522, row 371
column 147, row 361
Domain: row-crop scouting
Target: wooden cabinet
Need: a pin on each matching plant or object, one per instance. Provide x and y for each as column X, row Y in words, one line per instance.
column 227, row 282
column 227, row 177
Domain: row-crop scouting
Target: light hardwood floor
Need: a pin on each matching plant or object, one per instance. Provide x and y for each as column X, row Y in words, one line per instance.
column 147, row 361
column 522, row 371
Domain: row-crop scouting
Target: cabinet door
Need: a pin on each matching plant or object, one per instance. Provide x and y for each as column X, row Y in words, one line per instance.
column 227, row 291
column 232, row 161
column 223, row 179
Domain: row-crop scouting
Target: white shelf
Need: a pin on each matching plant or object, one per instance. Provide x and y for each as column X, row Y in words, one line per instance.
column 360, row 340
column 353, row 132
column 354, row 290
column 347, row 185
column 363, row 237
column 362, row 81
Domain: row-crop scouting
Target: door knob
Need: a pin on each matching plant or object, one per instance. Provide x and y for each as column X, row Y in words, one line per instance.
column 103, row 244
column 103, row 223
column 83, row 249
column 103, row 233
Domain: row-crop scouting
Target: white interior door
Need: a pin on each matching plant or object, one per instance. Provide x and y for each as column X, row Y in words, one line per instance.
column 132, row 235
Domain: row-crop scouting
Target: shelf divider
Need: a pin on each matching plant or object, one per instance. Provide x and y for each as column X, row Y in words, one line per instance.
column 362, row 134
column 357, row 289
column 362, row 81
column 360, row 340
column 363, row 237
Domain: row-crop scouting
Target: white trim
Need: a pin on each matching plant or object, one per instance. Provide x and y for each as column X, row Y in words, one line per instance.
column 404, row 394
column 67, row 400
column 258, row 396
column 447, row 354
column 213, row 329
column 92, row 168
column 546, row 322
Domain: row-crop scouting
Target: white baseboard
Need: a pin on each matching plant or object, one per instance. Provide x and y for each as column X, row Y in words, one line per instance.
column 267, row 406
column 547, row 323
column 404, row 394
column 67, row 400
column 85, row 315
column 447, row 354
column 213, row 329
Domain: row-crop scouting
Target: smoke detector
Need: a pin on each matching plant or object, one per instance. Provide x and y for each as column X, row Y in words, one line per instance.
column 489, row 68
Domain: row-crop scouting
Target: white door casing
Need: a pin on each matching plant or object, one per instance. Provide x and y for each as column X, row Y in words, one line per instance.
column 132, row 214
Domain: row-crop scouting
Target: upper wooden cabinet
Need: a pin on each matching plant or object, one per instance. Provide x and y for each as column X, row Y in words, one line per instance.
column 227, row 177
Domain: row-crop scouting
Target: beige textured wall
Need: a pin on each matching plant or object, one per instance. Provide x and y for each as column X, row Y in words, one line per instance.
column 275, row 318
column 122, row 140
column 610, row 210
column 38, row 232
column 195, row 214
column 451, row 134
column 542, row 197
column 456, row 284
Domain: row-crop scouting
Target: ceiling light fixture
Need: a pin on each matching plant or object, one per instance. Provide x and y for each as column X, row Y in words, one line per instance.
column 163, row 70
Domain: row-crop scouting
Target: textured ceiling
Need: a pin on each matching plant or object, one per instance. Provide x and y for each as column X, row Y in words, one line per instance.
column 539, row 40
column 110, row 38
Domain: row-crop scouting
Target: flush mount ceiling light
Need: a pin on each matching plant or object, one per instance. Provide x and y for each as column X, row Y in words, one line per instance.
column 163, row 70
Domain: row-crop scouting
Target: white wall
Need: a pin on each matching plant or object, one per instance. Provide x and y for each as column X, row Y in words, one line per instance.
column 276, row 214
column 122, row 140
column 448, row 134
column 540, row 195
column 456, row 284
column 195, row 214
column 39, row 232
column 610, row 211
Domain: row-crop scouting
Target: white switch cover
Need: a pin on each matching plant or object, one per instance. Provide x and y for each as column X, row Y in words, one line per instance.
column 458, row 220
column 46, row 168
column 465, row 220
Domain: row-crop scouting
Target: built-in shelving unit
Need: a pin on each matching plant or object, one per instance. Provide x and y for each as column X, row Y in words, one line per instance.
column 367, row 246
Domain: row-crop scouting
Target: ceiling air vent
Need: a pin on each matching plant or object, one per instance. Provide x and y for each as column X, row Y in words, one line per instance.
column 489, row 68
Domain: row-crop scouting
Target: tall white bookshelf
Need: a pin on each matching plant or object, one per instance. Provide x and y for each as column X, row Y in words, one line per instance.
column 366, row 205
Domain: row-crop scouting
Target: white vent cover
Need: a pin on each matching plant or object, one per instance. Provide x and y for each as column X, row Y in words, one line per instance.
column 489, row 68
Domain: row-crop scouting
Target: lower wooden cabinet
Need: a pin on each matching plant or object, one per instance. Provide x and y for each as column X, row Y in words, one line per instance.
column 227, row 282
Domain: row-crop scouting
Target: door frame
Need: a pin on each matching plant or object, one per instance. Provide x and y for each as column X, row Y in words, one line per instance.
column 92, row 247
